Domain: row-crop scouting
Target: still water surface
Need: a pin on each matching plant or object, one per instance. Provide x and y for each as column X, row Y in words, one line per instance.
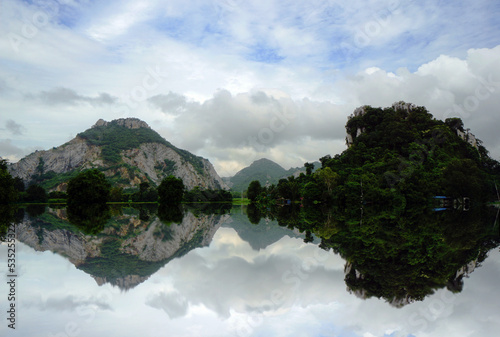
column 195, row 273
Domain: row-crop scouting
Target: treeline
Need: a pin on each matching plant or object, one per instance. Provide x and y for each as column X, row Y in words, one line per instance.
column 92, row 185
column 396, row 157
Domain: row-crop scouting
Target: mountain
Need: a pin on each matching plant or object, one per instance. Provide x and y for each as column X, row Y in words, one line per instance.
column 126, row 150
column 265, row 171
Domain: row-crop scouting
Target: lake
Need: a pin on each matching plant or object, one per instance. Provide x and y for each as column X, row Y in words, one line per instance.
column 208, row 270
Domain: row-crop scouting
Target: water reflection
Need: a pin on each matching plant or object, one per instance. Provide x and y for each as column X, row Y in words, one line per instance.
column 260, row 278
column 120, row 246
column 401, row 256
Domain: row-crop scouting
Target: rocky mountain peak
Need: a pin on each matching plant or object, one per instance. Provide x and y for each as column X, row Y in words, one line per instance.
column 127, row 150
column 130, row 123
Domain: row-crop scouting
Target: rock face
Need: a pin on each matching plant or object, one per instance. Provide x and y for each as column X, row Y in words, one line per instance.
column 75, row 154
column 130, row 123
column 157, row 161
column 151, row 159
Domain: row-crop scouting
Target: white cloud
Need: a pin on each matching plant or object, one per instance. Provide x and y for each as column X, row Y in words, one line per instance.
column 10, row 151
column 447, row 86
column 119, row 21
column 214, row 56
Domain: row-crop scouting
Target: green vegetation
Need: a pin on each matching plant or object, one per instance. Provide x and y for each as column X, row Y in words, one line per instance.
column 401, row 256
column 51, row 179
column 171, row 190
column 240, row 201
column 254, row 190
column 397, row 157
column 35, row 193
column 146, row 193
column 169, row 167
column 58, row 195
column 8, row 192
column 168, row 213
column 114, row 138
column 218, row 208
column 373, row 203
column 207, row 195
column 266, row 172
column 188, row 157
column 88, row 187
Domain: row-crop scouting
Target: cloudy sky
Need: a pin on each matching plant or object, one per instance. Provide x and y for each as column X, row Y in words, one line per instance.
column 235, row 81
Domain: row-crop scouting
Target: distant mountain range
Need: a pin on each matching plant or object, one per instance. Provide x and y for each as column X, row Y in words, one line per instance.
column 126, row 150
column 265, row 171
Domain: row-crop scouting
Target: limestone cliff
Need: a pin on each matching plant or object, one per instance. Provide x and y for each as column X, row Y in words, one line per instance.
column 127, row 150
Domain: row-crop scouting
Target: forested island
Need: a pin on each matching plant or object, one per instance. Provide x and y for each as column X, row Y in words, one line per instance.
column 405, row 205
column 396, row 156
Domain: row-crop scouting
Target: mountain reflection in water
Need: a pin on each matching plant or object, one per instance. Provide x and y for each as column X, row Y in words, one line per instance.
column 400, row 257
column 121, row 246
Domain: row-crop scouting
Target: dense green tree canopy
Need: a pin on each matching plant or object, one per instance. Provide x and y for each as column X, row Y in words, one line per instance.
column 207, row 195
column 171, row 190
column 254, row 189
column 88, row 187
column 8, row 191
column 399, row 156
column 35, row 193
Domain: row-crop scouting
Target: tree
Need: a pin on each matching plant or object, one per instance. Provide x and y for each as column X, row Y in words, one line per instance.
column 324, row 160
column 36, row 193
column 289, row 188
column 254, row 190
column 312, row 192
column 328, row 177
column 171, row 190
column 58, row 195
column 309, row 168
column 8, row 192
column 143, row 187
column 146, row 193
column 88, row 187
column 455, row 123
column 19, row 184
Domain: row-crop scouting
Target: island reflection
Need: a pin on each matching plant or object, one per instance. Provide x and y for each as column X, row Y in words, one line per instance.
column 400, row 256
